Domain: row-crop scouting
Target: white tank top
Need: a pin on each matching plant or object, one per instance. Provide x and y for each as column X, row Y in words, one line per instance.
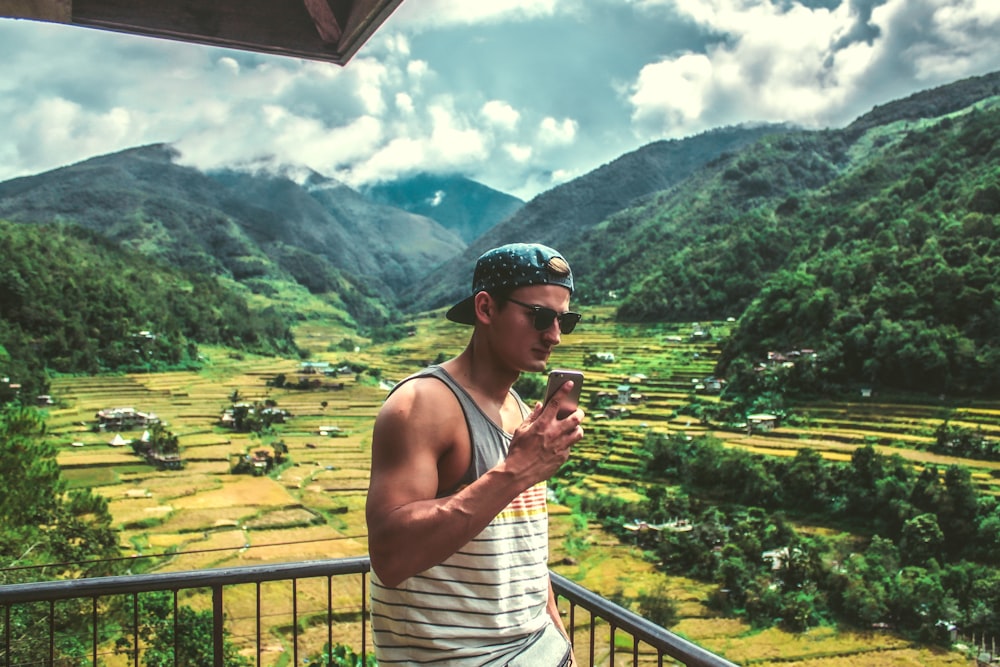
column 485, row 603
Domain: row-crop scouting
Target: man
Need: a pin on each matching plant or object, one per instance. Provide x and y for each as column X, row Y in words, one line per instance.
column 457, row 524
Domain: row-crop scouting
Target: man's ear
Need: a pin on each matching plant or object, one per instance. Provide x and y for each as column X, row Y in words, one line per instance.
column 483, row 307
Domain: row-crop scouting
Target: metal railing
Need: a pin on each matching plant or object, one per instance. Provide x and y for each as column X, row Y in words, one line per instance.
column 643, row 642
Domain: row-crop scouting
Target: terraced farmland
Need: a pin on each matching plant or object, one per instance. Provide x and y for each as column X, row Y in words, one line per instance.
column 205, row 516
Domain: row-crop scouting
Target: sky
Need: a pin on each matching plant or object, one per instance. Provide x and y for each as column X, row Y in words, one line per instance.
column 521, row 95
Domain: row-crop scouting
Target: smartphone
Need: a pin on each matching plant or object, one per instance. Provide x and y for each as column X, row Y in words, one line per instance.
column 558, row 378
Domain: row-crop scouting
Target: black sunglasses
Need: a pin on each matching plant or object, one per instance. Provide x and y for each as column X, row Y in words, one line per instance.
column 544, row 317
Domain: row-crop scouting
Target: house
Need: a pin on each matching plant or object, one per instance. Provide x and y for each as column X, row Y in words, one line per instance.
column 762, row 422
column 776, row 557
column 709, row 385
column 124, row 419
column 315, row 367
column 624, row 394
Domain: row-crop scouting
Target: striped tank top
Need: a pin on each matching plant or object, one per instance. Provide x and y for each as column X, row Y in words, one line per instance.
column 487, row 601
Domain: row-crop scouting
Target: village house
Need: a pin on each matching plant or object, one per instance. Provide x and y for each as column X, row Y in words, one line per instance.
column 124, row 419
column 762, row 422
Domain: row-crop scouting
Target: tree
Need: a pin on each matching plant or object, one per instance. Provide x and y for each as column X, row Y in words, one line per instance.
column 191, row 646
column 339, row 655
column 45, row 530
column 922, row 540
column 659, row 607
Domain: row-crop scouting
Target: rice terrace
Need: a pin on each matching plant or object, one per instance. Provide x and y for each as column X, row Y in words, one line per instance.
column 310, row 505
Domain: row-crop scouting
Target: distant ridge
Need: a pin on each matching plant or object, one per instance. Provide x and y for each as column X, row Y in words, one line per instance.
column 465, row 207
column 931, row 103
column 237, row 224
column 562, row 216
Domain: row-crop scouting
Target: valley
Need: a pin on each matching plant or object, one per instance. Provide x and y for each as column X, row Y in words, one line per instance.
column 312, row 506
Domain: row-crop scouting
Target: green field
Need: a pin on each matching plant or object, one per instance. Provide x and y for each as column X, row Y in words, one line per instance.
column 204, row 516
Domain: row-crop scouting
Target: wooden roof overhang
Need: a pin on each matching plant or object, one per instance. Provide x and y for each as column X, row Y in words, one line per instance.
column 327, row 30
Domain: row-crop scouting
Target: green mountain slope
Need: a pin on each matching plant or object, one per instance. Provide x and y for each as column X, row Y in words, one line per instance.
column 562, row 216
column 73, row 302
column 897, row 285
column 872, row 245
column 253, row 228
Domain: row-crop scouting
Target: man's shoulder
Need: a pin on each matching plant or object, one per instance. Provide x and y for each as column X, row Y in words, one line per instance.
column 422, row 390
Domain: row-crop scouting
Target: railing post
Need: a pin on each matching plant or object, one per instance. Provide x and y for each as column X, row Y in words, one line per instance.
column 52, row 632
column 93, row 620
column 364, row 618
column 217, row 626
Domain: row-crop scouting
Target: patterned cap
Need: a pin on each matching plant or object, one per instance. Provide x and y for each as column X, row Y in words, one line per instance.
column 510, row 266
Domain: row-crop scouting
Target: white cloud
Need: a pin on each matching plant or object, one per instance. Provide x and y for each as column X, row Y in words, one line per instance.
column 501, row 114
column 404, row 103
column 230, row 64
column 780, row 61
column 437, row 13
column 516, row 93
column 518, row 152
column 554, row 132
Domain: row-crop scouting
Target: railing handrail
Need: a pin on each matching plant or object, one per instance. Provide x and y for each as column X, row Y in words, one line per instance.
column 66, row 589
column 618, row 617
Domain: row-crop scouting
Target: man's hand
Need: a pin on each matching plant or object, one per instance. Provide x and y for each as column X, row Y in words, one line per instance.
column 542, row 443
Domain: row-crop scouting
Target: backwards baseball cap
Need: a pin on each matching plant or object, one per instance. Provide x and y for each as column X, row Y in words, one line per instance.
column 510, row 266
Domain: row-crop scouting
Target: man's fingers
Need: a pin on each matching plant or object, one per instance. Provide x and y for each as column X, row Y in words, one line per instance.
column 559, row 395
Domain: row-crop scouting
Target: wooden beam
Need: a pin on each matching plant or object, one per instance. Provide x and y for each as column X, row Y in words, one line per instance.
column 326, row 23
column 365, row 17
column 60, row 11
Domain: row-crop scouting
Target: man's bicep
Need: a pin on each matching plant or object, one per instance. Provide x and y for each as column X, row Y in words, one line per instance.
column 405, row 453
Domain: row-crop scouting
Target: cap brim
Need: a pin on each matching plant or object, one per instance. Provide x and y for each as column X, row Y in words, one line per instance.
column 463, row 312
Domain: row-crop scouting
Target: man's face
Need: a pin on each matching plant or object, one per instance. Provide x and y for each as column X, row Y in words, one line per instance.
column 515, row 336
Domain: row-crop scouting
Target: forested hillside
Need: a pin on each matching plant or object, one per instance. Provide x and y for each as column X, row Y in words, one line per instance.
column 898, row 283
column 563, row 216
column 257, row 228
column 875, row 249
column 73, row 302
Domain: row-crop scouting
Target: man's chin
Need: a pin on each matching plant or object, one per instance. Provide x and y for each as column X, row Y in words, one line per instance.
column 537, row 365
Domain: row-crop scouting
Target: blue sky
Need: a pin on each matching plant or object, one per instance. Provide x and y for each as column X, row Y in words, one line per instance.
column 521, row 95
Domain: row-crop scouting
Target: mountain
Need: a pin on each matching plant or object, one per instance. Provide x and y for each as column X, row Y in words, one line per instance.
column 873, row 246
column 562, row 216
column 463, row 206
column 250, row 227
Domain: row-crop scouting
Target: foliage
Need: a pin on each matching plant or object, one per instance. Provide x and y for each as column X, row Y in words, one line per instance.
column 71, row 302
column 530, row 387
column 896, row 286
column 933, row 536
column 339, row 656
column 168, row 641
column 46, row 532
column 659, row 607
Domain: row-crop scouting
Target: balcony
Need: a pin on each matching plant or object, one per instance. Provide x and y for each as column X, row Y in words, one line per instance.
column 315, row 603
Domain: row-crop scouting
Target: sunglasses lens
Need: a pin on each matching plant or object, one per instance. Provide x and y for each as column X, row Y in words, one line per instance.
column 544, row 317
column 568, row 321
